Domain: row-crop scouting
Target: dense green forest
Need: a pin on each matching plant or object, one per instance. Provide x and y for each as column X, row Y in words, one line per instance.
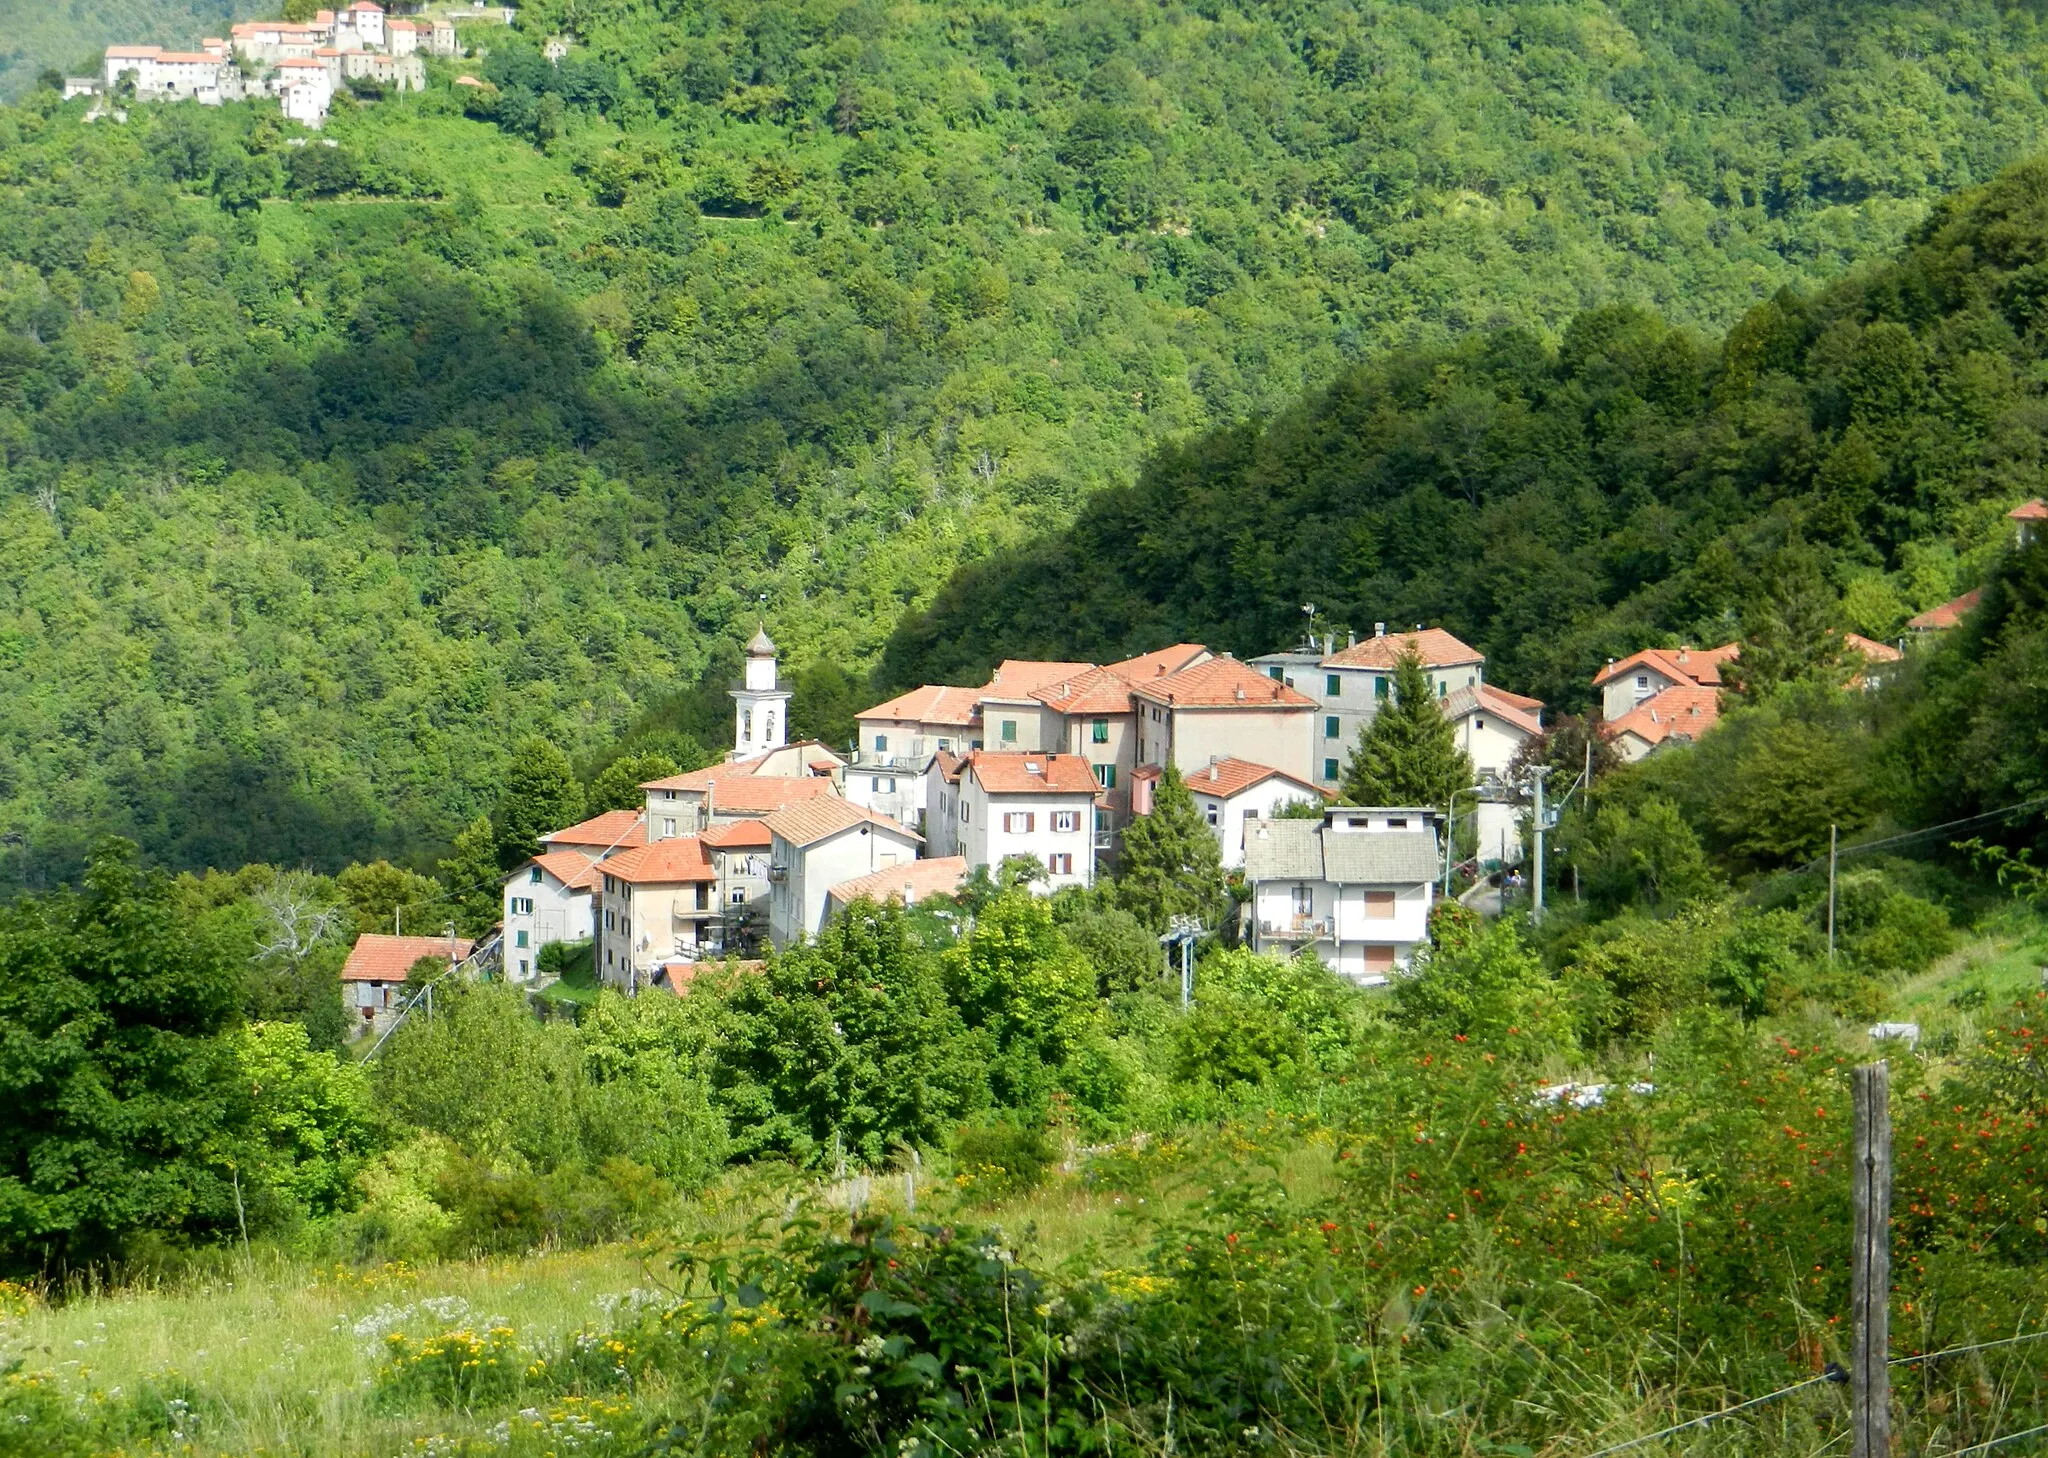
column 328, row 471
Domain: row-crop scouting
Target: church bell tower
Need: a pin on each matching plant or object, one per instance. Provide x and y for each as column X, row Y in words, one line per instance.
column 761, row 703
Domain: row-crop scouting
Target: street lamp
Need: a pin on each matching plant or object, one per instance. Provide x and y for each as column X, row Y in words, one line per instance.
column 1183, row 931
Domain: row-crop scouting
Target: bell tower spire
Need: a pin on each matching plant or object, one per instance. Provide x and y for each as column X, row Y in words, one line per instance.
column 760, row 703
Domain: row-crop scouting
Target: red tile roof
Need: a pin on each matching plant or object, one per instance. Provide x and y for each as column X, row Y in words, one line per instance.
column 711, row 774
column 809, row 823
column 612, row 829
column 1161, row 661
column 1948, row 614
column 378, row 957
column 677, row 975
column 1019, row 678
column 1871, row 649
column 1699, row 666
column 1098, row 691
column 673, row 862
column 760, row 794
column 2033, row 510
column 933, row 704
column 1021, row 772
column 1524, row 713
column 1228, row 777
column 1438, row 648
column 909, row 883
column 573, row 869
column 738, row 835
column 1685, row 711
column 1221, row 683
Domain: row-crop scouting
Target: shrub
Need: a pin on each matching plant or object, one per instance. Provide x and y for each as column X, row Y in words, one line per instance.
column 459, row 1369
column 999, row 1160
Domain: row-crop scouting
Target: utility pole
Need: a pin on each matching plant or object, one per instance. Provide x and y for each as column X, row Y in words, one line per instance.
column 1536, row 773
column 1870, row 1276
column 1832, row 831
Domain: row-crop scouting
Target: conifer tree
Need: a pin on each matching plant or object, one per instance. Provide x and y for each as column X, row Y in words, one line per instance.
column 1171, row 864
column 541, row 793
column 1788, row 629
column 1408, row 754
column 473, row 878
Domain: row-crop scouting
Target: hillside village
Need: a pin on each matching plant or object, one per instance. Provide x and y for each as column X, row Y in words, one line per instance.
column 1045, row 767
column 304, row 65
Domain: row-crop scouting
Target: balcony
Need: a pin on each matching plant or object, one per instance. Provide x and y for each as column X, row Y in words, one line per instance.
column 778, row 873
column 1299, row 929
column 884, row 763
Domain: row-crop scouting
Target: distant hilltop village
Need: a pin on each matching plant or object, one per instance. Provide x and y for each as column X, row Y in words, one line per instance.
column 302, row 64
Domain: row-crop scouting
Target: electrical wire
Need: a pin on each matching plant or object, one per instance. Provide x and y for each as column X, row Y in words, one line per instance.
column 1990, row 1443
column 1870, row 845
column 2032, row 1336
column 1714, row 1417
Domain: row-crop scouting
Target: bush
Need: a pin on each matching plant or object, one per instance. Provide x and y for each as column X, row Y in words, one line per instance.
column 1000, row 1160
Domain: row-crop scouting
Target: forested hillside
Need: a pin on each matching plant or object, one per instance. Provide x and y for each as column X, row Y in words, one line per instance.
column 39, row 35
column 1564, row 502
column 328, row 471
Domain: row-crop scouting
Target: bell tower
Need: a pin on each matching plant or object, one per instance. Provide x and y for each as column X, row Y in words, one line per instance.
column 760, row 703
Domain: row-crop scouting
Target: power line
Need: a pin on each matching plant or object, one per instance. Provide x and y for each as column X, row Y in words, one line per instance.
column 1990, row 1443
column 1833, row 1374
column 2013, row 1341
column 1870, row 845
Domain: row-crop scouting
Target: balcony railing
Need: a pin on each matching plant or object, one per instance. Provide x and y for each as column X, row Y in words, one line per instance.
column 1299, row 928
column 868, row 759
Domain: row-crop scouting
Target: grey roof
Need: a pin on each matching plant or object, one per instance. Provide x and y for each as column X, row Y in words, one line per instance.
column 1305, row 850
column 1284, row 850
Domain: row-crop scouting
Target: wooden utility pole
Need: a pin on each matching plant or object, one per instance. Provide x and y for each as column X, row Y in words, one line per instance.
column 1831, row 893
column 1870, row 1176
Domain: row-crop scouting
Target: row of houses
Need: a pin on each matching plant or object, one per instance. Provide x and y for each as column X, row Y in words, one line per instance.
column 302, row 64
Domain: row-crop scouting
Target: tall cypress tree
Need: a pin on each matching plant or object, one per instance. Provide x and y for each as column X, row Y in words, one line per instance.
column 1408, row 754
column 541, row 793
column 1171, row 863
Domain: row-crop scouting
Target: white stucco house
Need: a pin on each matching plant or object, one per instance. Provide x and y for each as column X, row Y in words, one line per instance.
column 1234, row 795
column 817, row 844
column 999, row 804
column 655, row 903
column 1355, row 887
column 547, row 900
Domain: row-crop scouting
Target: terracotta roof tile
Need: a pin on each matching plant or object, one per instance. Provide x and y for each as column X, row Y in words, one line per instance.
column 572, row 868
column 1948, row 614
column 1228, row 777
column 1685, row 711
column 1021, row 772
column 738, row 835
column 760, row 794
column 1524, row 713
column 711, row 774
column 809, row 823
column 614, row 828
column 909, row 883
column 1019, row 678
column 1221, row 683
column 2034, row 510
column 1098, row 691
column 378, row 957
column 1438, row 648
column 675, row 861
column 1872, row 650
column 1161, row 661
column 1688, row 665
column 933, row 704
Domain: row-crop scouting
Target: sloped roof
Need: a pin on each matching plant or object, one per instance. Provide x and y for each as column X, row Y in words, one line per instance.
column 613, row 828
column 935, row 703
column 676, row 861
column 1950, row 613
column 379, row 957
column 808, row 823
column 573, row 869
column 1227, row 777
column 1686, row 665
column 1516, row 709
column 909, row 883
column 760, row 794
column 1438, row 648
column 1019, row 678
column 1221, row 683
column 1161, row 661
column 1872, row 650
column 1026, row 772
column 1308, row 850
column 2034, row 510
column 1683, row 710
column 738, row 835
column 1098, row 691
column 761, row 645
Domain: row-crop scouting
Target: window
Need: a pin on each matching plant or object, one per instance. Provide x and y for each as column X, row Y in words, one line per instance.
column 1333, row 686
column 947, row 745
column 1443, row 688
column 520, row 940
column 1304, row 901
column 1379, row 688
column 1019, row 822
column 1379, row 905
column 1480, row 725
column 885, row 784
column 522, row 906
column 963, row 809
column 1066, row 822
column 1274, row 672
column 1098, row 731
column 524, row 966
column 739, row 897
column 1105, row 776
column 746, row 723
column 668, row 826
column 1329, row 769
column 1211, row 812
column 1642, row 680
column 1397, row 822
column 1330, row 727
column 1061, row 864
column 608, row 926
column 881, row 744
column 1009, row 731
column 535, row 877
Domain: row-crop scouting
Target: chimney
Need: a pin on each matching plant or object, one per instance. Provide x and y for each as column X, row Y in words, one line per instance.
column 1240, row 695
column 1329, row 644
column 1350, row 639
column 1379, row 630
